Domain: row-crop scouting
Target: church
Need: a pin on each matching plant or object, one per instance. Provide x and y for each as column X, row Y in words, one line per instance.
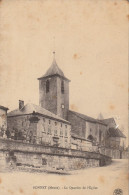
column 53, row 123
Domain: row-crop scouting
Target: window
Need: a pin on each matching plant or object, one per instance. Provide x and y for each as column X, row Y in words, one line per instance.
column 62, row 105
column 49, row 122
column 62, row 86
column 43, row 119
column 61, row 124
column 61, row 132
column 44, row 129
column 47, row 86
column 55, row 123
column 90, row 137
column 66, row 133
column 49, row 130
column 44, row 161
column 66, row 126
column 40, row 140
column 55, row 132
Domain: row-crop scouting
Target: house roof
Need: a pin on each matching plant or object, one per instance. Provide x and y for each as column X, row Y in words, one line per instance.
column 32, row 108
column 115, row 133
column 108, row 121
column 3, row 108
column 53, row 70
column 87, row 118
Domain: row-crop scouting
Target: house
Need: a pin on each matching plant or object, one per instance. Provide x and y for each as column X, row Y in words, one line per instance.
column 115, row 136
column 34, row 124
column 115, row 140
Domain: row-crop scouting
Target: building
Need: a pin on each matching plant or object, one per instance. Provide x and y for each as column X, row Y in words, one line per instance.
column 115, row 140
column 52, row 123
column 54, row 91
column 34, row 124
column 87, row 127
column 3, row 121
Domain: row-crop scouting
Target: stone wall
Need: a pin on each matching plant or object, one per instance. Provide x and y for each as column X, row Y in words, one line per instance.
column 81, row 144
column 91, row 129
column 48, row 100
column 54, row 99
column 62, row 98
column 114, row 153
column 87, row 129
column 125, row 154
column 78, row 125
column 102, row 133
column 113, row 142
column 18, row 153
column 45, row 131
column 53, row 161
column 3, row 164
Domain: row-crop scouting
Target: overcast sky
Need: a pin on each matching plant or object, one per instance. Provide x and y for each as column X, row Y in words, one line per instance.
column 91, row 44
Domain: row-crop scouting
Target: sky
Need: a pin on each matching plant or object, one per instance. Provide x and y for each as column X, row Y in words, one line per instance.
column 91, row 45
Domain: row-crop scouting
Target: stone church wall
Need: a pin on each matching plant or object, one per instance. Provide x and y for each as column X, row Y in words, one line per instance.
column 91, row 129
column 48, row 100
column 78, row 125
column 54, row 100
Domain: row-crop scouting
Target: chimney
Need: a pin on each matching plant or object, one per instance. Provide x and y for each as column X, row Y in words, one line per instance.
column 21, row 104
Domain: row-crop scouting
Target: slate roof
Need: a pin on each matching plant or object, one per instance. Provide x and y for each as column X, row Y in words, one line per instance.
column 115, row 133
column 54, row 70
column 4, row 108
column 30, row 108
column 87, row 118
column 107, row 121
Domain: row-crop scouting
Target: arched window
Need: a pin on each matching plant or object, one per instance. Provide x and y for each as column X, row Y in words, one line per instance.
column 47, row 86
column 62, row 86
column 90, row 137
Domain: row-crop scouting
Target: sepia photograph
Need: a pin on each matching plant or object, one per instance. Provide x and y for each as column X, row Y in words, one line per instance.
column 64, row 97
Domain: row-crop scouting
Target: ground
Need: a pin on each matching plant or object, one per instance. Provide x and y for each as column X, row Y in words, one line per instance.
column 91, row 181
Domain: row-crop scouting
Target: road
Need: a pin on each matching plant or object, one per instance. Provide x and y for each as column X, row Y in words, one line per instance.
column 91, row 181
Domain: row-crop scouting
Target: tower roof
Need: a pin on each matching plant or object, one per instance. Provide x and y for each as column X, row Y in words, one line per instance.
column 54, row 70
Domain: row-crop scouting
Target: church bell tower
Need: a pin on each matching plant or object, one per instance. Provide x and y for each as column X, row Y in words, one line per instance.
column 54, row 91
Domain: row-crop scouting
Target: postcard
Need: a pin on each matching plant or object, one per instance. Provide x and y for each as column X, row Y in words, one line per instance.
column 64, row 97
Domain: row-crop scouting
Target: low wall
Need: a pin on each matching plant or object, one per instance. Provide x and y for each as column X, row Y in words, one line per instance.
column 125, row 154
column 114, row 153
column 19, row 153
